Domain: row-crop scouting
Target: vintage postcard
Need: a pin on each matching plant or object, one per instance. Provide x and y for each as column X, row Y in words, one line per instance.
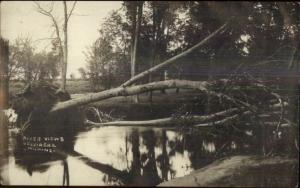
column 149, row 93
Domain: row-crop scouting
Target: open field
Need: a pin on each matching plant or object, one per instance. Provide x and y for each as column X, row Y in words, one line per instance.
column 73, row 86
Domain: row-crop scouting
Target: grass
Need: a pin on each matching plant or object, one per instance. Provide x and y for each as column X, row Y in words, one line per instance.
column 78, row 86
column 73, row 86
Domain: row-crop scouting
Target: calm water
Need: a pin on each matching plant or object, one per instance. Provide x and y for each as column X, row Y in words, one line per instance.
column 130, row 156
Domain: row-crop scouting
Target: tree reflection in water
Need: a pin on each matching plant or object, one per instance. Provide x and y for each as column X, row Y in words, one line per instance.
column 37, row 161
column 151, row 155
column 66, row 177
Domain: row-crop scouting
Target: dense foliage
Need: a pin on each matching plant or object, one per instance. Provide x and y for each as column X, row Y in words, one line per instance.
column 261, row 34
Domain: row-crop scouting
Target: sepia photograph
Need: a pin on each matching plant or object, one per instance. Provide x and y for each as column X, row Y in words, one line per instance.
column 150, row 93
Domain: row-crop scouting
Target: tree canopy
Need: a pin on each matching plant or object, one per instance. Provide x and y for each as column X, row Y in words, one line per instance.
column 261, row 34
column 28, row 65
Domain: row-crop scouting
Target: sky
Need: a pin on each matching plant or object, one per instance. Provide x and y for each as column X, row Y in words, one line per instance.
column 20, row 18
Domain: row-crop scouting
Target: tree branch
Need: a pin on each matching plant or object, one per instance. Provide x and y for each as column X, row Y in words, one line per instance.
column 165, row 121
column 49, row 14
column 71, row 11
column 199, row 121
column 173, row 59
column 43, row 11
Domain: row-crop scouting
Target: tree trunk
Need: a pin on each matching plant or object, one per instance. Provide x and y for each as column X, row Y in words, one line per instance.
column 162, row 52
column 165, row 162
column 136, row 165
column 4, row 97
column 153, row 62
column 133, row 90
column 65, row 48
column 4, row 53
column 136, row 40
column 132, row 69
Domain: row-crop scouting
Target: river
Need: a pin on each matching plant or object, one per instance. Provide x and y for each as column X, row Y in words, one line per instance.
column 130, row 156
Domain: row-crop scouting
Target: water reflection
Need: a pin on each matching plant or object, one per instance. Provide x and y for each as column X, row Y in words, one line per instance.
column 131, row 156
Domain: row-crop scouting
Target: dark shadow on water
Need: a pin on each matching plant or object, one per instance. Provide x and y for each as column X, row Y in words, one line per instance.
column 157, row 155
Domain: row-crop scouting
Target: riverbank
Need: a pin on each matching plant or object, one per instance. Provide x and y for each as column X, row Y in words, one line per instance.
column 197, row 147
column 245, row 171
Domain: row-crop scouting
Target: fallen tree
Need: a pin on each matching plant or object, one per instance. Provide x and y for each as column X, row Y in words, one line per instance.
column 94, row 97
column 229, row 91
column 203, row 86
column 133, row 90
column 239, row 106
column 260, row 108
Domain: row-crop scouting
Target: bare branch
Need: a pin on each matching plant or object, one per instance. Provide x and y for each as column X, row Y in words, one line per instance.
column 48, row 13
column 198, row 121
column 164, row 121
column 52, row 5
column 43, row 11
column 71, row 11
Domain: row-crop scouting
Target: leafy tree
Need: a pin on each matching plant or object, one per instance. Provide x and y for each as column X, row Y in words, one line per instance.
column 21, row 59
column 257, row 32
column 107, row 59
column 83, row 73
column 46, row 66
column 28, row 65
